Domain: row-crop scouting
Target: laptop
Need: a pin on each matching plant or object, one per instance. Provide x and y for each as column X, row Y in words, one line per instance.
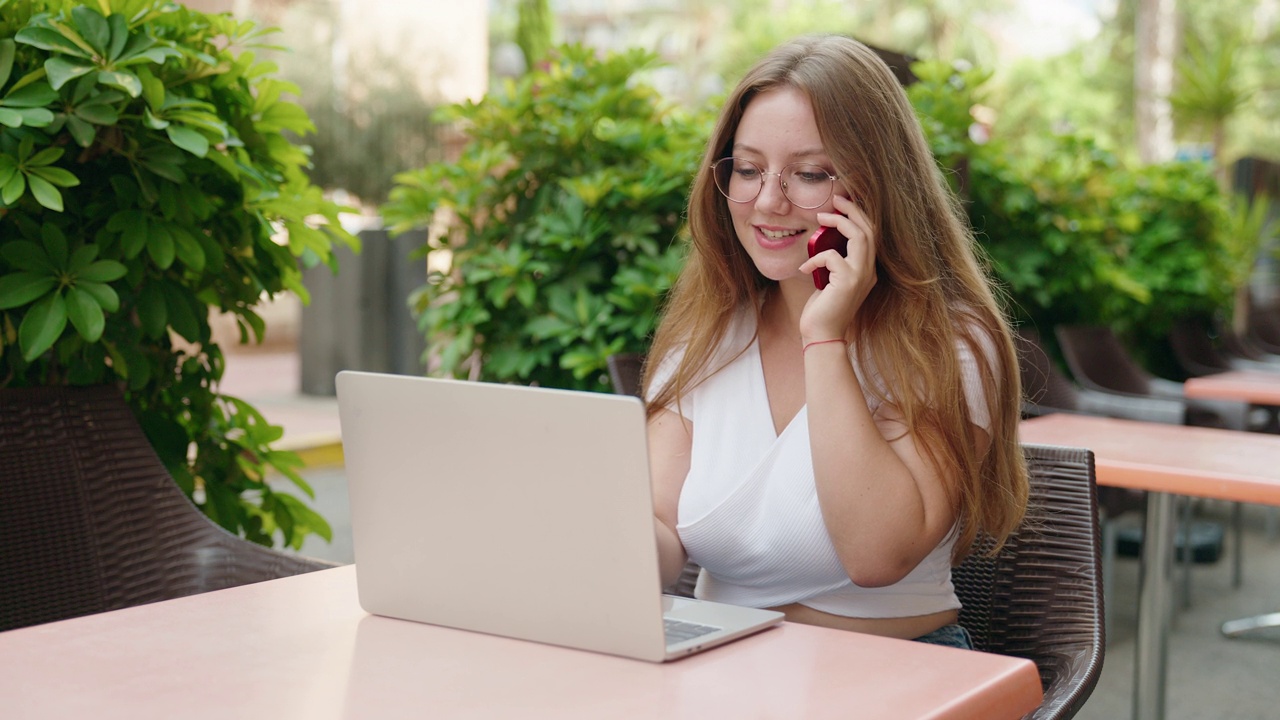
column 516, row 511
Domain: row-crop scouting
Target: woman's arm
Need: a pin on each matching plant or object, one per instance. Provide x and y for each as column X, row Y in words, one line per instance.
column 884, row 504
column 670, row 444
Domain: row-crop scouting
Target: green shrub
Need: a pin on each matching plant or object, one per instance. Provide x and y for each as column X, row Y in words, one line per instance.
column 1077, row 236
column 144, row 176
column 562, row 217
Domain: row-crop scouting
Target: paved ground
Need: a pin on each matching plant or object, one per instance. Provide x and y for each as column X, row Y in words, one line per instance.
column 1210, row 677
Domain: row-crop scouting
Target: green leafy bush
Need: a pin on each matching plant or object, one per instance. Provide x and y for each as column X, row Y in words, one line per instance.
column 1077, row 236
column 562, row 217
column 943, row 97
column 144, row 178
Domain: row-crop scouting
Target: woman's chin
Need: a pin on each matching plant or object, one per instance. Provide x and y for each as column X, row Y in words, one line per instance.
column 779, row 272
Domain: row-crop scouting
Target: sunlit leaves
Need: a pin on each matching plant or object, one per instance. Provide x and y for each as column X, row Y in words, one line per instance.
column 41, row 35
column 92, row 43
column 188, row 139
column 23, row 102
column 63, row 70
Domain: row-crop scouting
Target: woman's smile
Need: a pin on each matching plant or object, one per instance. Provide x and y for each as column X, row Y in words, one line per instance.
column 771, row 237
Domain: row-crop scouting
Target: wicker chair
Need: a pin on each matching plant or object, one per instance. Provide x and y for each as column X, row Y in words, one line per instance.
column 1099, row 361
column 1196, row 352
column 625, row 372
column 1263, row 326
column 1041, row 597
column 1201, row 350
column 90, row 520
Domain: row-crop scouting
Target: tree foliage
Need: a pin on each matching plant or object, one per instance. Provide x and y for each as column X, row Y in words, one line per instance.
column 1225, row 68
column 561, row 221
column 145, row 177
column 1078, row 235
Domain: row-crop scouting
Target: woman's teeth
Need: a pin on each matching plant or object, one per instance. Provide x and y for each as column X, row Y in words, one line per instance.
column 778, row 234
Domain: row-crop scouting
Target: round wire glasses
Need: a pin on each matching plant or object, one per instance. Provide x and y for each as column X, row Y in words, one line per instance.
column 805, row 185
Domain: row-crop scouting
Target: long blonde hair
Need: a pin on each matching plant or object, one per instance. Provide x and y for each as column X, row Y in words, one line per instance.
column 930, row 293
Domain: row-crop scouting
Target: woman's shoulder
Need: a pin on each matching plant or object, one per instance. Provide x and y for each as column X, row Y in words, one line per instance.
column 738, row 337
column 978, row 333
column 739, row 334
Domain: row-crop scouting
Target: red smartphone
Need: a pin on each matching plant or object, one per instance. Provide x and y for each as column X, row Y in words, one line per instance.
column 826, row 238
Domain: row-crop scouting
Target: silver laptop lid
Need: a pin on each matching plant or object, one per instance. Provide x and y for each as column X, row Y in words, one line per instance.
column 522, row 512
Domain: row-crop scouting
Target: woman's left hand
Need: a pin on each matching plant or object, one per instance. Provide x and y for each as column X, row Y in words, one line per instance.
column 830, row 311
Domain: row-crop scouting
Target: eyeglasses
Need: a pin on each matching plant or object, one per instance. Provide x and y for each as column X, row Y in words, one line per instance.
column 805, row 185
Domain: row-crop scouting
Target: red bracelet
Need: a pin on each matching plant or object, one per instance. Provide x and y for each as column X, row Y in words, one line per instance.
column 805, row 349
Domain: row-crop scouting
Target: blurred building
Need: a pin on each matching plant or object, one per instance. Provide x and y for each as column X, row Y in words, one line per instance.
column 369, row 74
column 445, row 43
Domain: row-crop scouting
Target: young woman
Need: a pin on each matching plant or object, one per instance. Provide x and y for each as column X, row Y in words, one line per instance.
column 830, row 453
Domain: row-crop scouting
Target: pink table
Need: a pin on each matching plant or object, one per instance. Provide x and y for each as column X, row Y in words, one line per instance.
column 1164, row 460
column 301, row 647
column 1256, row 387
column 1260, row 389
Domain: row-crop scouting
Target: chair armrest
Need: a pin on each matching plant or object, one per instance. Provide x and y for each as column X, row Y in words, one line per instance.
column 1132, row 407
column 1161, row 387
column 1229, row 414
column 1030, row 409
column 1257, row 365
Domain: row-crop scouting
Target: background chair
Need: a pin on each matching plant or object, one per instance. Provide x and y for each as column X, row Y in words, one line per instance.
column 1248, row 354
column 625, row 372
column 1195, row 351
column 1047, row 390
column 1201, row 349
column 1263, row 326
column 1099, row 361
column 90, row 519
column 1041, row 597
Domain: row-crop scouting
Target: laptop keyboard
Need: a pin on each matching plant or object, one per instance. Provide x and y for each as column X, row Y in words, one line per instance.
column 679, row 631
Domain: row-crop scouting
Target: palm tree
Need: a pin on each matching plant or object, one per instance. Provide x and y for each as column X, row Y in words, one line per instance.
column 1154, row 31
column 534, row 30
column 1211, row 89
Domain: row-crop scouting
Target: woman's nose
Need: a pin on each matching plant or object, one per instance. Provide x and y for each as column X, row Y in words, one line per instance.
column 772, row 198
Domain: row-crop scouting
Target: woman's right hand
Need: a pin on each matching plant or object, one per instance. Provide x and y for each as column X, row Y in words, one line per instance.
column 830, row 311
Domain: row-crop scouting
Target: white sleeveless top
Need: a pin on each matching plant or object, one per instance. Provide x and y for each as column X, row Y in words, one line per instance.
column 748, row 512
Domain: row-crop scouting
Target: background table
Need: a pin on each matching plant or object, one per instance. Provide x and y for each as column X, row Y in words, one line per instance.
column 1256, row 387
column 301, row 647
column 1164, row 460
column 1259, row 388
